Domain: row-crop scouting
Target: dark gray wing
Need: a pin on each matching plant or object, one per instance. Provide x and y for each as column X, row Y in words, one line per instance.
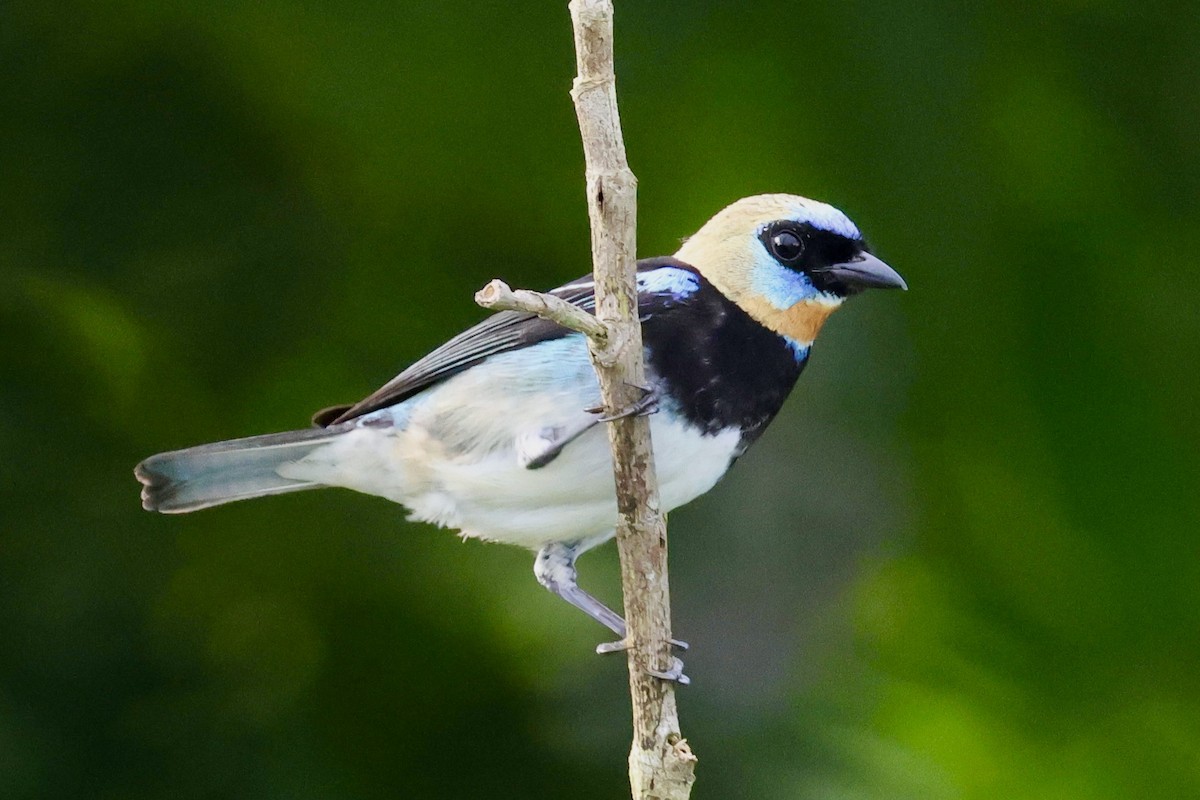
column 662, row 283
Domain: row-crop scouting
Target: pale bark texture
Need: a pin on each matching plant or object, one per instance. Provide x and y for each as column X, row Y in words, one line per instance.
column 661, row 765
column 498, row 296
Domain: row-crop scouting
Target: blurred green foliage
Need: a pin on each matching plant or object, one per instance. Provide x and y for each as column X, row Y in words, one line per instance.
column 963, row 564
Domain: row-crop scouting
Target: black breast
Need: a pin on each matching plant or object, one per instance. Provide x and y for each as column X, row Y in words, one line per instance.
column 720, row 367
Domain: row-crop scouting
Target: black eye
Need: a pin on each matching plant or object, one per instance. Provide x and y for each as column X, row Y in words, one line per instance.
column 787, row 246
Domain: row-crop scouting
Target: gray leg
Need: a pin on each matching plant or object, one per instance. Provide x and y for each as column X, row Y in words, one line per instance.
column 537, row 448
column 555, row 569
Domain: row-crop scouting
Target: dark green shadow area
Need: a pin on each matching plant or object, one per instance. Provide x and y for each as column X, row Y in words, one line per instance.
column 963, row 563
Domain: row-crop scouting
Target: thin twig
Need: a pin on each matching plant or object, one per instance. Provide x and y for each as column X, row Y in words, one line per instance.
column 661, row 765
column 497, row 296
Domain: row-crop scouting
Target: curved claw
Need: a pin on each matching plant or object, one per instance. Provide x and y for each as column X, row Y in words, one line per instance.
column 622, row 645
column 648, row 404
column 672, row 673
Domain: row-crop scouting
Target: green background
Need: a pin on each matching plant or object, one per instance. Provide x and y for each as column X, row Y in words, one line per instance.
column 962, row 564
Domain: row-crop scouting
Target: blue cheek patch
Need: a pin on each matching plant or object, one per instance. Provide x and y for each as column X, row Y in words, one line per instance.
column 778, row 285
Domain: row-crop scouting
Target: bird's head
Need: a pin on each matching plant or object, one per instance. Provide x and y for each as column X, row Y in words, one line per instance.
column 786, row 260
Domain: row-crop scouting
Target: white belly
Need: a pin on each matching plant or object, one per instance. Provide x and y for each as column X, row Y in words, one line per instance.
column 452, row 458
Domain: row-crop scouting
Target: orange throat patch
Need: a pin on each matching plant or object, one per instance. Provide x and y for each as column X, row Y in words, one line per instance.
column 801, row 322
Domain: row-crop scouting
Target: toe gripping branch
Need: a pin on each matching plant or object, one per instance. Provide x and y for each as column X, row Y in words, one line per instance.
column 672, row 673
column 646, row 405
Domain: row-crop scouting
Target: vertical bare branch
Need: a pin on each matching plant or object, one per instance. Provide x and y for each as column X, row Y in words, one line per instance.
column 661, row 766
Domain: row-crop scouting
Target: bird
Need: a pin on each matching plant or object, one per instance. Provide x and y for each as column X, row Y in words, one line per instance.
column 499, row 433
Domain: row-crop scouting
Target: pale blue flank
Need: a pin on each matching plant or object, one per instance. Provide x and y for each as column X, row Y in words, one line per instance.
column 554, row 365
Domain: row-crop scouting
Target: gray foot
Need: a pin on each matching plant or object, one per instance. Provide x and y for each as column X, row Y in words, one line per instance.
column 555, row 569
column 621, row 646
column 648, row 404
column 672, row 673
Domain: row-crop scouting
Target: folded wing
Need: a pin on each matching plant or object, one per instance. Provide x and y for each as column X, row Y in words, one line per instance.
column 663, row 283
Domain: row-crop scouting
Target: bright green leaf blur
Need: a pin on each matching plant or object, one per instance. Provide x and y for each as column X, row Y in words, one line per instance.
column 964, row 563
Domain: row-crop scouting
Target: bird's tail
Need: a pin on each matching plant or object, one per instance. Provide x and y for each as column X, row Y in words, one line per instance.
column 212, row 474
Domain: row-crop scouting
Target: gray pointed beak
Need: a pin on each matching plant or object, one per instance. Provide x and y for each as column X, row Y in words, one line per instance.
column 867, row 272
